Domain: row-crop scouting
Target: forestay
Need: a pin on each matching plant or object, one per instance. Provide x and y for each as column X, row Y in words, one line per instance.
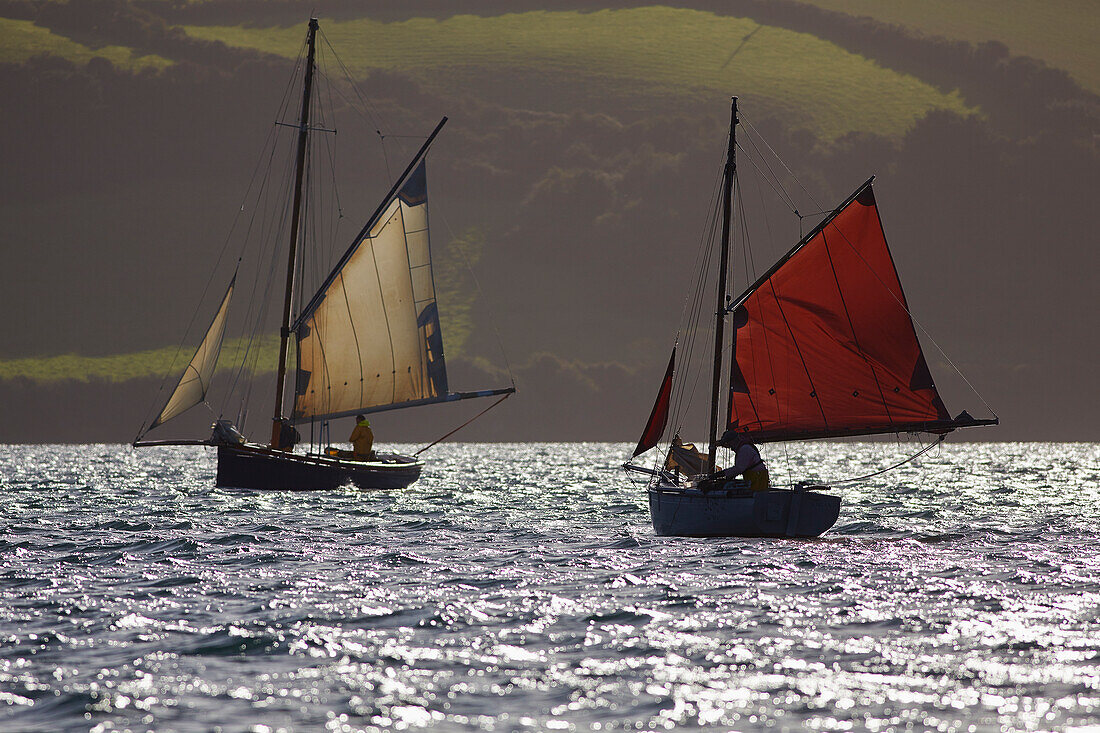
column 370, row 338
column 191, row 389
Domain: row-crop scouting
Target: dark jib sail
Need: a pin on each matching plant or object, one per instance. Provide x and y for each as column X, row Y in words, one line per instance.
column 658, row 419
column 824, row 344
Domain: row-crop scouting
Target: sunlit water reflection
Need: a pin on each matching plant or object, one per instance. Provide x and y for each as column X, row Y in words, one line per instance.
column 521, row 587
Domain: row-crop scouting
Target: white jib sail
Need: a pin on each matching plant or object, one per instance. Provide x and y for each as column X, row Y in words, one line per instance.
column 191, row 389
column 373, row 338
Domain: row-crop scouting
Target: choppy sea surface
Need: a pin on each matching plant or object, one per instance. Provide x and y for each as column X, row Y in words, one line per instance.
column 521, row 587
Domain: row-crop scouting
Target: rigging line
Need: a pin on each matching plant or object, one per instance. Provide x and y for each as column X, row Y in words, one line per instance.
column 281, row 224
column 901, row 302
column 370, row 123
column 475, row 417
column 308, row 226
column 261, row 196
column 330, row 148
column 751, row 266
column 681, row 398
column 367, row 107
column 217, row 262
column 691, row 309
column 385, row 157
column 680, row 401
column 750, row 262
column 689, row 316
column 263, row 203
column 781, row 161
column 693, row 317
column 684, row 396
column 317, row 205
column 774, row 177
column 708, row 225
column 767, row 178
column 689, row 396
column 686, row 393
column 939, row 439
column 767, row 351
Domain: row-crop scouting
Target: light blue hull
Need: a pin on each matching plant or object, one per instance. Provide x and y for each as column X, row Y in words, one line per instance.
column 689, row 512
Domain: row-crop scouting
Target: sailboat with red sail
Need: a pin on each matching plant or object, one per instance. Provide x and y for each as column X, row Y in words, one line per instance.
column 822, row 345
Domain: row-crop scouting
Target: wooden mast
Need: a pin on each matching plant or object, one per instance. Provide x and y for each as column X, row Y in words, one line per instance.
column 296, row 212
column 720, row 312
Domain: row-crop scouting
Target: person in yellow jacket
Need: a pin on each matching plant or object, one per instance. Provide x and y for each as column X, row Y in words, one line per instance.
column 362, row 438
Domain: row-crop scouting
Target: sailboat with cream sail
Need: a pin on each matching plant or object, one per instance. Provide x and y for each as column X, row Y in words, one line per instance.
column 368, row 340
column 822, row 346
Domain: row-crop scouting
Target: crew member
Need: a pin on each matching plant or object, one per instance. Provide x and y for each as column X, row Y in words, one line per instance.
column 362, row 439
column 749, row 464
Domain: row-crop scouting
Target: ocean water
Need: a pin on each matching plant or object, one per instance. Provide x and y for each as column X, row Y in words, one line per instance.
column 520, row 587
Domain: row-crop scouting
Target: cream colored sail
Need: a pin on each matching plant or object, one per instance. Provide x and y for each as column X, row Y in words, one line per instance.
column 191, row 389
column 370, row 338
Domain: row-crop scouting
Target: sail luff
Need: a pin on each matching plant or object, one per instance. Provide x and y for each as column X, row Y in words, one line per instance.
column 191, row 391
column 658, row 417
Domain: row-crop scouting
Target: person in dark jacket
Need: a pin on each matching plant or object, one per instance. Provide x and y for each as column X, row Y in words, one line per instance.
column 749, row 464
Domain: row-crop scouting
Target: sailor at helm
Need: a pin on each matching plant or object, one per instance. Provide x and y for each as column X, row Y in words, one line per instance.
column 747, row 463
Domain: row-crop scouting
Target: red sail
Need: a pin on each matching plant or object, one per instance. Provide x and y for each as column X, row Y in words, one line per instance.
column 658, row 419
column 824, row 342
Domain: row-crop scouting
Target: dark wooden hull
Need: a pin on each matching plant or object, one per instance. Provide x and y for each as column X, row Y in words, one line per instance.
column 688, row 512
column 258, row 467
